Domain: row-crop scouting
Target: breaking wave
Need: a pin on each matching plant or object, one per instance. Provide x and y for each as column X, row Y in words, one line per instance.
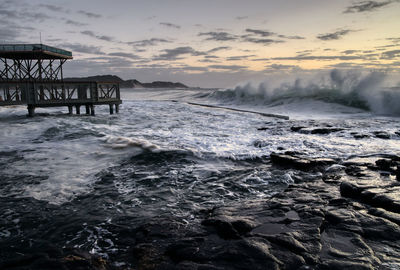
column 352, row 88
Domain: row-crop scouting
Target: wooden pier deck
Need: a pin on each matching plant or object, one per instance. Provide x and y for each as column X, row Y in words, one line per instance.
column 32, row 74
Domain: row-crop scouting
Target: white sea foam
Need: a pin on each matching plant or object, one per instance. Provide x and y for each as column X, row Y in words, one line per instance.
column 67, row 153
column 367, row 91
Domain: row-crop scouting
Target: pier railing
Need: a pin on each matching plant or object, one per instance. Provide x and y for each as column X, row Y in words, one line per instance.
column 58, row 93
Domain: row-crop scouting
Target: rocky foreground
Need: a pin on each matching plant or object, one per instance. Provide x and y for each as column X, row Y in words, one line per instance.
column 336, row 215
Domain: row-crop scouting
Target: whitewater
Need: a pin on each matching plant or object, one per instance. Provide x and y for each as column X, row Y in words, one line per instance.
column 77, row 180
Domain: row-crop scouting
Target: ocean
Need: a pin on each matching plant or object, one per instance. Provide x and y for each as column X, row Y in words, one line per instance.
column 81, row 182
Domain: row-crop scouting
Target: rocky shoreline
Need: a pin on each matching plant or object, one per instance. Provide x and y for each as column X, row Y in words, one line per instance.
column 336, row 215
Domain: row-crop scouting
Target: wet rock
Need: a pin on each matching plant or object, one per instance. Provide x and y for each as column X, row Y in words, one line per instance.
column 72, row 260
column 380, row 212
column 186, row 250
column 350, row 190
column 248, row 254
column 287, row 241
column 223, row 228
column 296, row 128
column 360, row 135
column 349, row 223
column 260, row 143
column 227, row 229
column 384, row 164
column 398, row 173
column 382, row 134
column 263, row 128
column 344, row 265
column 325, row 130
column 358, row 171
column 319, row 130
column 290, row 161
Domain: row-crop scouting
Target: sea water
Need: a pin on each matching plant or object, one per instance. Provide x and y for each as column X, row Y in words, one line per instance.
column 77, row 180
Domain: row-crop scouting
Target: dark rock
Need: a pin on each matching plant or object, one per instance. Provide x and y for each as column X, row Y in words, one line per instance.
column 379, row 212
column 355, row 170
column 290, row 161
column 360, row 136
column 344, row 265
column 248, row 254
column 223, row 228
column 186, row 250
column 325, row 130
column 384, row 164
column 296, row 128
column 287, row 241
column 382, row 134
column 241, row 226
column 350, row 190
column 398, row 173
column 260, row 143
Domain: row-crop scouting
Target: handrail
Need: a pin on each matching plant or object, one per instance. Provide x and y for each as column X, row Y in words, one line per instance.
column 32, row 47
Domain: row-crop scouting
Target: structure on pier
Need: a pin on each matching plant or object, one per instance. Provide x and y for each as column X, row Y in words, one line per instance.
column 32, row 74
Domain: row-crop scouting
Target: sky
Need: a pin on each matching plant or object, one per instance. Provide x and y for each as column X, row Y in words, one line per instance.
column 206, row 43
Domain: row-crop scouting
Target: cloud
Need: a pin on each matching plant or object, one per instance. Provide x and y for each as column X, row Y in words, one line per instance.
column 321, row 57
column 394, row 40
column 282, row 67
column 391, row 54
column 350, row 51
column 8, row 34
column 53, row 8
column 148, row 42
column 260, row 32
column 174, row 54
column 74, row 23
column 208, row 61
column 171, row 25
column 218, row 49
column 125, row 55
column 90, row 14
column 218, row 36
column 227, row 67
column 335, row 35
column 100, row 37
column 291, row 37
column 239, row 57
column 82, row 48
column 266, row 33
column 366, row 6
column 263, row 41
column 239, row 18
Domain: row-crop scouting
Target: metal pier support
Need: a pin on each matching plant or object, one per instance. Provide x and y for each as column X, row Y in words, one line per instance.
column 70, row 110
column 78, row 109
column 92, row 112
column 111, row 108
column 31, row 110
column 117, row 108
column 87, row 109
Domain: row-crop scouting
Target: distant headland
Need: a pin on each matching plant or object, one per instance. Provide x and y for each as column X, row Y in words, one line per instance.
column 129, row 83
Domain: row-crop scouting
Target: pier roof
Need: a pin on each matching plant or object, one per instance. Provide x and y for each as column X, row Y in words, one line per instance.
column 32, row 51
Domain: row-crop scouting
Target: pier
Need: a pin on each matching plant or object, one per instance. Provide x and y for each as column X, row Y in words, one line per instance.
column 32, row 74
